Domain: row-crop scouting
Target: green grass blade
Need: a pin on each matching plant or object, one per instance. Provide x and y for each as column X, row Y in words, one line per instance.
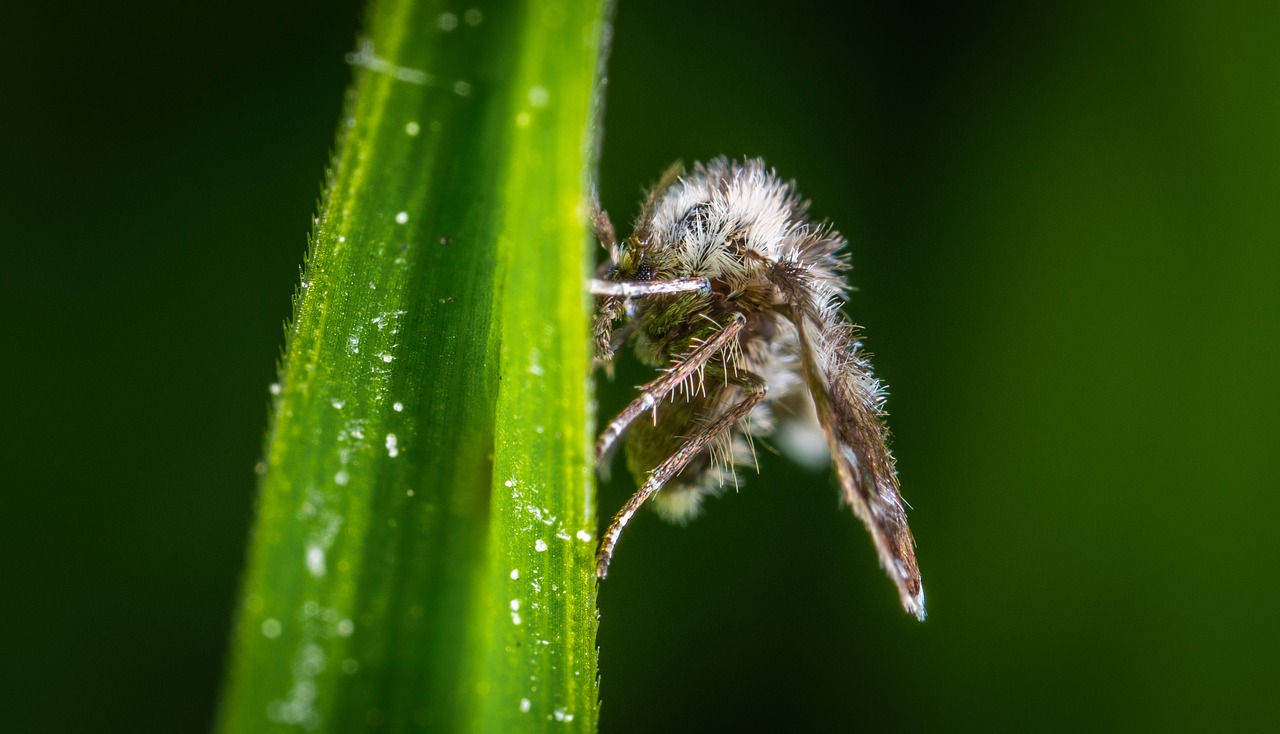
column 422, row 557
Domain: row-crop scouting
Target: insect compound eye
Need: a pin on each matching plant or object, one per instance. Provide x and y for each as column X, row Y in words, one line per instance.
column 697, row 219
column 644, row 272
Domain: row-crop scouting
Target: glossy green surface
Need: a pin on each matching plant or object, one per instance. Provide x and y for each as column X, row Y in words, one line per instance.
column 422, row 554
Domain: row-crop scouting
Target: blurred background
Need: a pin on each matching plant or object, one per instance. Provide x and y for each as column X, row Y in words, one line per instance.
column 1064, row 224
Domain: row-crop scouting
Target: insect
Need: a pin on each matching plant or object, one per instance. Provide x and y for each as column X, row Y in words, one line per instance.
column 730, row 288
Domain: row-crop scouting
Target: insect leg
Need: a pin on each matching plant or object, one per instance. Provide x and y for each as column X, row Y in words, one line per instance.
column 610, row 310
column 673, row 465
column 602, row 227
column 638, row 288
column 653, row 393
column 614, row 306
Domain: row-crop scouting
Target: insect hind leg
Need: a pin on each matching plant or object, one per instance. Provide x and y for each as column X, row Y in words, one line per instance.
column 757, row 390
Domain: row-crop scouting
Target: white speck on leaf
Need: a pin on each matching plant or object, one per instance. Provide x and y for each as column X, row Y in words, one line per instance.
column 540, row 545
column 366, row 58
column 315, row 560
column 298, row 707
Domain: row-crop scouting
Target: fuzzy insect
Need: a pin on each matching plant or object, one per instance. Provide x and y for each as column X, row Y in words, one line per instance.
column 728, row 286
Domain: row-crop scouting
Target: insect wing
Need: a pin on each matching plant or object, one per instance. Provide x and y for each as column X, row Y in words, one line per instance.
column 850, row 402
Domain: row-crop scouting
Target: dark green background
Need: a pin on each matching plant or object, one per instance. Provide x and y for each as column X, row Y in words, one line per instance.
column 1065, row 228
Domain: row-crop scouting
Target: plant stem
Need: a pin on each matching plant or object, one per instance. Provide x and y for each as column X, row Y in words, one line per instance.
column 422, row 557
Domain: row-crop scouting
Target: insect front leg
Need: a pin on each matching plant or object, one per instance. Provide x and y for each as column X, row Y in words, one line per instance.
column 653, row 393
column 602, row 227
column 757, row 389
column 611, row 309
column 614, row 305
column 640, row 288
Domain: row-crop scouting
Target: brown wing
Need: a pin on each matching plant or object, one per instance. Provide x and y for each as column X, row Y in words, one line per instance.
column 850, row 405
